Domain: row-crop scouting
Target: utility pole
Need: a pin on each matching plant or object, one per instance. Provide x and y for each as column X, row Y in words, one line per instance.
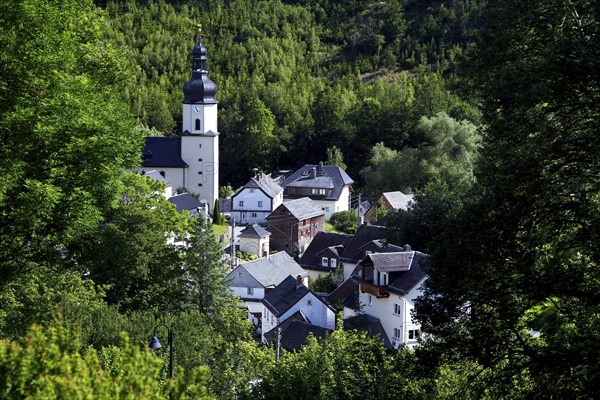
column 358, row 212
column 232, row 247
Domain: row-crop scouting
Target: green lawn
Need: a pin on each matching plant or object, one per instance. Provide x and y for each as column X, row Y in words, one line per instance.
column 221, row 229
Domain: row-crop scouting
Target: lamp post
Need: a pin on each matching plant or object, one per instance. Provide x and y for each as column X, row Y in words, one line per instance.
column 155, row 344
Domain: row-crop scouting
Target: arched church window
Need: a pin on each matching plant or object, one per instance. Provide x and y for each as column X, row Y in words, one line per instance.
column 197, row 124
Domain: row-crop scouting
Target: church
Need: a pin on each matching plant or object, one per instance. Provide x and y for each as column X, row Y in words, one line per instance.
column 190, row 161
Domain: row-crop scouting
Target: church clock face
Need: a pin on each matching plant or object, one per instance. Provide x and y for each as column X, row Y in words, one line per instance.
column 197, row 109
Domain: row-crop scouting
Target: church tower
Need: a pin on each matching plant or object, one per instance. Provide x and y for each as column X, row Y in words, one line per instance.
column 200, row 136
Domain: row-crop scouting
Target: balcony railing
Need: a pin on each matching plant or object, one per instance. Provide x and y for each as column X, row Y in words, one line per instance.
column 375, row 290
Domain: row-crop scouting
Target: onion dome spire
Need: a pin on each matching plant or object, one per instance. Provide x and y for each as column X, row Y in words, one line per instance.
column 199, row 89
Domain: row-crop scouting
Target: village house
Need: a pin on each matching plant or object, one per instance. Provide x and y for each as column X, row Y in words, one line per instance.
column 294, row 224
column 390, row 201
column 322, row 256
column 328, row 185
column 251, row 203
column 251, row 281
column 254, row 239
column 291, row 297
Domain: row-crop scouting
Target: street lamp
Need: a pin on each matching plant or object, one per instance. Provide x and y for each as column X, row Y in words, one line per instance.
column 155, row 344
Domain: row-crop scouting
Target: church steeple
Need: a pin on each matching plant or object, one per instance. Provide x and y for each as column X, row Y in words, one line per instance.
column 199, row 89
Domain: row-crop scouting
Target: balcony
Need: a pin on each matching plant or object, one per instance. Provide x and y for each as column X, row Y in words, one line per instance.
column 375, row 290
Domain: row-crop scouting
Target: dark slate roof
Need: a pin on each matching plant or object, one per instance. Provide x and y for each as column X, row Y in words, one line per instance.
column 402, row 282
column 225, row 205
column 295, row 334
column 321, row 242
column 185, row 201
column 398, row 200
column 369, row 324
column 284, row 296
column 162, row 151
column 264, row 183
column 268, row 271
column 337, row 177
column 345, row 295
column 254, row 231
column 302, row 209
column 366, row 233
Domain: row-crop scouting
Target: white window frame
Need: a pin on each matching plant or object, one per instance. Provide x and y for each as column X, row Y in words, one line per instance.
column 398, row 334
column 397, row 309
column 241, row 203
column 333, row 262
column 260, row 203
column 250, row 291
column 324, row 261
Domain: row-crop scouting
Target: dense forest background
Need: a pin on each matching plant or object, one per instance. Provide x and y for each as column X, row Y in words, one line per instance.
column 486, row 111
column 298, row 78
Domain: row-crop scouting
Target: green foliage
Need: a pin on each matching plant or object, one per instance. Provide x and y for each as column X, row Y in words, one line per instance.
column 444, row 150
column 131, row 253
column 323, row 284
column 66, row 135
column 49, row 365
column 225, row 191
column 345, row 365
column 217, row 217
column 344, row 221
column 528, row 237
column 335, row 157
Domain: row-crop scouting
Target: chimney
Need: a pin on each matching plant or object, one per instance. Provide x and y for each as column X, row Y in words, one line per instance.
column 298, row 281
column 313, row 173
column 320, row 170
column 407, row 247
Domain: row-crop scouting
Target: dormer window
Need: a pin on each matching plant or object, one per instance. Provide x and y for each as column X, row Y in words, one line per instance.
column 324, row 261
column 333, row 263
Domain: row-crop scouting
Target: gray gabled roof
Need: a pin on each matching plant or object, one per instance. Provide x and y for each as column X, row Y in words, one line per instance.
column 185, row 201
column 268, row 271
column 301, row 209
column 390, row 262
column 255, row 231
column 161, row 151
column 336, row 180
column 398, row 200
column 264, row 183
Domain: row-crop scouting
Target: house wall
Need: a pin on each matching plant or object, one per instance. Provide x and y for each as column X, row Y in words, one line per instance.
column 306, row 230
column 317, row 313
column 175, row 177
column 384, row 310
column 250, row 212
column 256, row 246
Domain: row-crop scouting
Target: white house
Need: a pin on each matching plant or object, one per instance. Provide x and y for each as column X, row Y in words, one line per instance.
column 389, row 284
column 251, row 203
column 328, row 185
column 290, row 297
column 191, row 160
column 254, row 239
column 251, row 281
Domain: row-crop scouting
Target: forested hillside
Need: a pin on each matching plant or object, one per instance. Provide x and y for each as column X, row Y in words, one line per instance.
column 487, row 112
column 297, row 78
